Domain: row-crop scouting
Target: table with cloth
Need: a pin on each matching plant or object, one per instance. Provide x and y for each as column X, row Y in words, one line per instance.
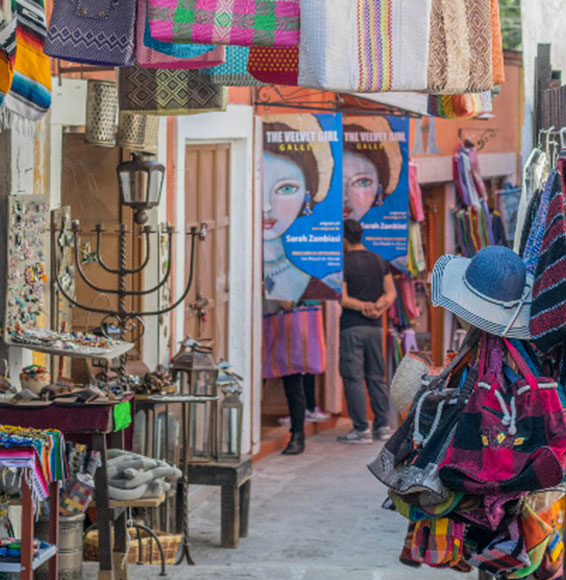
column 79, row 422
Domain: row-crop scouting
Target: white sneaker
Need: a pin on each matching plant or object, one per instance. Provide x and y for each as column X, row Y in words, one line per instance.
column 318, row 415
column 383, row 433
column 354, row 437
column 284, row 420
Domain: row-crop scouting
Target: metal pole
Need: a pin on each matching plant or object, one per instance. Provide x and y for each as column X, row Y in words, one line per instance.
column 122, row 295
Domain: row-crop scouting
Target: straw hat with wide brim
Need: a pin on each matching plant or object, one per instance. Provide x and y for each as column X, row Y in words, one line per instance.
column 322, row 152
column 408, row 378
column 393, row 148
column 492, row 291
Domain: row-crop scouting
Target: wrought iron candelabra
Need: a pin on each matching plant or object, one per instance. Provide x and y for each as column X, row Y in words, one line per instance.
column 126, row 322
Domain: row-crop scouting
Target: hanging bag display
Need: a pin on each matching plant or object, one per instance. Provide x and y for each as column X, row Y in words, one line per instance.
column 168, row 92
column 100, row 32
column 408, row 463
column 241, row 23
column 468, row 106
column 508, row 440
column 233, row 72
column 294, row 342
column 275, row 65
column 364, row 45
column 153, row 54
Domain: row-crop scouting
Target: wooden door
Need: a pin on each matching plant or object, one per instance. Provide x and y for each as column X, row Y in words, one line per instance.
column 207, row 199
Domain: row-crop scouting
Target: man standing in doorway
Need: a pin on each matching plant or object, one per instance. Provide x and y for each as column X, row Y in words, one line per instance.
column 368, row 292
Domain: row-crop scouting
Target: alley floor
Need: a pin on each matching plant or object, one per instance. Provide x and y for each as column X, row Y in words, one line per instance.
column 316, row 516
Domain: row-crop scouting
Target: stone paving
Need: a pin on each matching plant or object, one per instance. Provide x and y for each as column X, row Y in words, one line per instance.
column 316, row 516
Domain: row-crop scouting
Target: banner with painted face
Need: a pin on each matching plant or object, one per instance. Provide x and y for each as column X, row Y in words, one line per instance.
column 376, row 183
column 302, row 207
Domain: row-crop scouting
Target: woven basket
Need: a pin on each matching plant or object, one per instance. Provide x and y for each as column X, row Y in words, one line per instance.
column 150, row 551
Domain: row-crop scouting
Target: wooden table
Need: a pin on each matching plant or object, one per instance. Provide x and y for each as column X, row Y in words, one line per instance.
column 235, row 480
column 96, row 422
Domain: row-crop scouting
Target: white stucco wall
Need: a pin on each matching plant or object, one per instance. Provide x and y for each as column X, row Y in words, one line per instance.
column 236, row 127
column 543, row 22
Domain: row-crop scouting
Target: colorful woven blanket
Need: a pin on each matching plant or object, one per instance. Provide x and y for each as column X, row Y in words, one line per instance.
column 237, row 22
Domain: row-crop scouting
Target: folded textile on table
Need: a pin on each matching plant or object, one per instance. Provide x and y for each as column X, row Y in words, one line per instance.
column 132, row 476
column 364, row 45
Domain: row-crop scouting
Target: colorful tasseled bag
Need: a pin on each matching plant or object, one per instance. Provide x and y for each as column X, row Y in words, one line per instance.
column 241, row 23
column 294, row 343
column 508, row 439
column 275, row 65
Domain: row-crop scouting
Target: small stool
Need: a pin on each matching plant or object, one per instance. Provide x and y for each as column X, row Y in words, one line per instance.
column 236, row 481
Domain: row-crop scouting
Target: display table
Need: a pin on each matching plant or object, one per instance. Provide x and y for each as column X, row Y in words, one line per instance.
column 235, row 480
column 96, row 422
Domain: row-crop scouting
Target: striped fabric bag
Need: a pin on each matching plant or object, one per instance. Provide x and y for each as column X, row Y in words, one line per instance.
column 364, row 45
column 236, row 22
column 293, row 342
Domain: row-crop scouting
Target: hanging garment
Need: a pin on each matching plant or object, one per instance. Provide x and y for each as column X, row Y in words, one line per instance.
column 153, row 54
column 176, row 92
column 467, row 106
column 460, row 53
column 508, row 440
column 275, row 65
column 534, row 173
column 497, row 44
column 415, row 195
column 30, row 94
column 241, row 23
column 364, row 45
column 538, row 229
column 234, row 72
column 93, row 31
column 548, row 310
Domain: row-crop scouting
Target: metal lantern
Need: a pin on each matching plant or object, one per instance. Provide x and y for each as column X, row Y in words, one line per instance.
column 197, row 373
column 141, row 182
column 231, row 409
column 101, row 111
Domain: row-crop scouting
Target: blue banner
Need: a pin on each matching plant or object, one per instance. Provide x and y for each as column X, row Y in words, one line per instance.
column 376, row 183
column 302, row 207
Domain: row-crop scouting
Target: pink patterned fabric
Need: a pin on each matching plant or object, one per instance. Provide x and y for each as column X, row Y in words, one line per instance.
column 148, row 58
column 235, row 22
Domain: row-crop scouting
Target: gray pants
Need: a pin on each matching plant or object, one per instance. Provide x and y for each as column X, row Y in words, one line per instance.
column 361, row 361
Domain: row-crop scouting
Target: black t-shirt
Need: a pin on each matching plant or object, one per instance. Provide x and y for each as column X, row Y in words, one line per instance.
column 364, row 272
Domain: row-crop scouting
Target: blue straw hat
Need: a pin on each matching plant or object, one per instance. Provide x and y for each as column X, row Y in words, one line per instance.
column 491, row 291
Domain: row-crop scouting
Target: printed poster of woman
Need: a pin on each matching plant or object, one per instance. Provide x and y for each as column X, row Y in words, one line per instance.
column 302, row 207
column 376, row 183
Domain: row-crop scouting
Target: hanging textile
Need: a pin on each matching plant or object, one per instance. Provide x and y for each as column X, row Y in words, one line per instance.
column 460, row 53
column 497, row 45
column 234, row 72
column 177, row 92
column 548, row 310
column 241, row 23
column 275, row 65
column 7, row 47
column 364, row 45
column 534, row 174
column 415, row 195
column 38, row 455
column 467, row 106
column 29, row 96
column 153, row 54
